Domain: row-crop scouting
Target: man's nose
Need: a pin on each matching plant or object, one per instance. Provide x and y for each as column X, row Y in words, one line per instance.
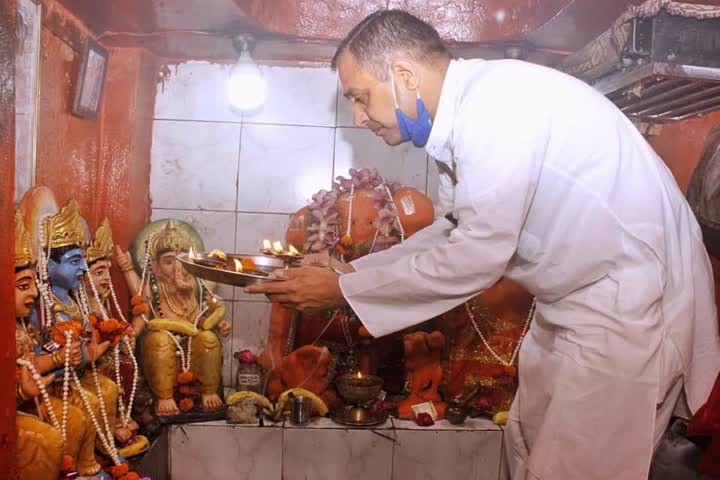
column 83, row 266
column 33, row 290
column 360, row 118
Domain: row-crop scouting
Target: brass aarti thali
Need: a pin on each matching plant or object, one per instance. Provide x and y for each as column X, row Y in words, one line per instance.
column 225, row 270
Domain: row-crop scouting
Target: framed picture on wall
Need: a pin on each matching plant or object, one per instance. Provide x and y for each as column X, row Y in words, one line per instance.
column 89, row 82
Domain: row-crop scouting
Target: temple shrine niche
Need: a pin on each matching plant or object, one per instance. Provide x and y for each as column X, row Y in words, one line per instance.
column 445, row 359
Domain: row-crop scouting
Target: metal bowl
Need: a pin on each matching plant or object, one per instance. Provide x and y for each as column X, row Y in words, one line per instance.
column 358, row 390
column 217, row 270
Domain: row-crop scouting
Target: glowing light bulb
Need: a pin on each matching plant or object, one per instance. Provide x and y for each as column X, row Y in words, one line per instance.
column 247, row 88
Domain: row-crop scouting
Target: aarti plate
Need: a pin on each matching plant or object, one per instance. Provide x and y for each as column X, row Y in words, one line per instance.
column 217, row 270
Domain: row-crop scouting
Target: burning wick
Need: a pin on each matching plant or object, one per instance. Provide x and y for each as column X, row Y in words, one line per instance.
column 278, row 248
column 238, row 265
column 293, row 251
column 359, row 375
column 267, row 247
column 191, row 254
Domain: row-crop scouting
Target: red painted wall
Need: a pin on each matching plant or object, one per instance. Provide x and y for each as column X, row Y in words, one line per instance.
column 7, row 238
column 681, row 144
column 103, row 163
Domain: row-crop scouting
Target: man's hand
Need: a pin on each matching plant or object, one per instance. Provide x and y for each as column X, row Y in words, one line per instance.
column 320, row 258
column 306, row 289
column 324, row 259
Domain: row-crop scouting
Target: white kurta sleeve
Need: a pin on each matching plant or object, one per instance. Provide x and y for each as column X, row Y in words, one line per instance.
column 499, row 148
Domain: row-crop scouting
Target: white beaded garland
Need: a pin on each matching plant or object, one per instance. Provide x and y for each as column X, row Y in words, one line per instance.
column 108, row 444
column 397, row 214
column 502, row 361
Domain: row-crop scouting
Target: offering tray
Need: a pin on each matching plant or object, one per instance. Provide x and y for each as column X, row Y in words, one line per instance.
column 218, row 270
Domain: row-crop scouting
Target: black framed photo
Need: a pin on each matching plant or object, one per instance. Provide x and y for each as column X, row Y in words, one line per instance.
column 90, row 79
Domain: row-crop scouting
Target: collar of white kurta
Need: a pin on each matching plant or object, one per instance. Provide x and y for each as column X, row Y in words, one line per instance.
column 439, row 144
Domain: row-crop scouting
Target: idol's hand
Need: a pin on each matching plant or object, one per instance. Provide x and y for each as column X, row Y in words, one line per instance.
column 29, row 386
column 224, row 328
column 97, row 351
column 123, row 259
column 306, row 289
column 75, row 354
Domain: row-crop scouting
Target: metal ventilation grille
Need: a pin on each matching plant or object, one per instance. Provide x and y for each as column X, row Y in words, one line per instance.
column 664, row 92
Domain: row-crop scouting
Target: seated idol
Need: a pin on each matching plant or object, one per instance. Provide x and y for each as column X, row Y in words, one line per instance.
column 64, row 302
column 57, row 444
column 119, row 362
column 180, row 347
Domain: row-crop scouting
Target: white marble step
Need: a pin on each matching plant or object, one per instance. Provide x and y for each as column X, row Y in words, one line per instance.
column 324, row 450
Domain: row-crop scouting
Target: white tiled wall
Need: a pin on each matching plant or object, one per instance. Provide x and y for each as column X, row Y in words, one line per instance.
column 238, row 179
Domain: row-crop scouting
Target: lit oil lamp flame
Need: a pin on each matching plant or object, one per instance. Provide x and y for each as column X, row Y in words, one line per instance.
column 266, row 245
column 359, row 374
column 293, row 251
column 219, row 254
column 238, row 265
column 278, row 248
column 191, row 254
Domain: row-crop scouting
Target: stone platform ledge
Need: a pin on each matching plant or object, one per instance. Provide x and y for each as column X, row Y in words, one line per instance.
column 397, row 450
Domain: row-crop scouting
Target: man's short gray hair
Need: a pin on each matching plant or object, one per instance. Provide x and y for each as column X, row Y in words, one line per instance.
column 382, row 35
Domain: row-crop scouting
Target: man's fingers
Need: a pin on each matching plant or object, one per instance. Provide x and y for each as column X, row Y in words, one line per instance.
column 268, row 288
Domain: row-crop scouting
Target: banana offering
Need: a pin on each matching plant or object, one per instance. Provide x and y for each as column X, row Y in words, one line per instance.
column 500, row 418
column 140, row 445
column 173, row 325
column 282, row 402
column 214, row 318
column 261, row 400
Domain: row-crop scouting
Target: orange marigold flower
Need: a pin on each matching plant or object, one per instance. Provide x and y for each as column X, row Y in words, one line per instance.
column 93, row 319
column 248, row 264
column 130, row 476
column 364, row 332
column 112, row 330
column 186, row 404
column 346, row 241
column 119, row 470
column 142, row 309
column 72, row 326
column 184, row 378
column 185, row 390
column 68, row 463
column 137, row 300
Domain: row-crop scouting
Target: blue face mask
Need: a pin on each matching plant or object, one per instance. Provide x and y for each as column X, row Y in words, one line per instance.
column 415, row 129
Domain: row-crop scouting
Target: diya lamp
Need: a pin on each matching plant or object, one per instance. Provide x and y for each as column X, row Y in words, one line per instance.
column 215, row 259
column 359, row 390
column 289, row 256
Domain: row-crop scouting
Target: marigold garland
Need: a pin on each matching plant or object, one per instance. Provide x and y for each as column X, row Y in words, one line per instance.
column 59, row 329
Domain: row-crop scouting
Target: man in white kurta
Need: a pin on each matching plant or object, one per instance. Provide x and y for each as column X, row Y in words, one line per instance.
column 553, row 187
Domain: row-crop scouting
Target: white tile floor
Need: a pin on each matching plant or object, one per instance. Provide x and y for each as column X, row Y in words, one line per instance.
column 398, row 450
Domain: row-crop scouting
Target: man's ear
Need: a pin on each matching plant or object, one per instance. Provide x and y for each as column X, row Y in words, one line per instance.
column 405, row 73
